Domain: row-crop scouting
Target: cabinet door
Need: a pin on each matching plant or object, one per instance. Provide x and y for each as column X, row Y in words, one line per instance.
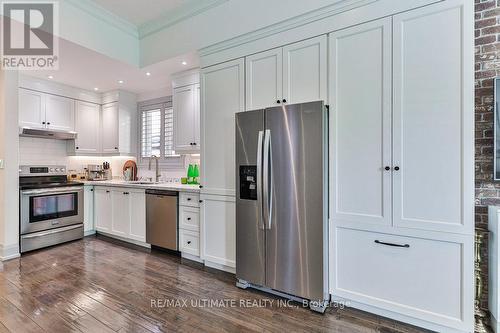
column 184, row 118
column 305, row 71
column 87, row 127
column 222, row 96
column 433, row 119
column 59, row 113
column 102, row 209
column 360, row 124
column 218, row 229
column 31, row 108
column 196, row 116
column 264, row 79
column 138, row 216
column 88, row 211
column 110, row 126
column 121, row 212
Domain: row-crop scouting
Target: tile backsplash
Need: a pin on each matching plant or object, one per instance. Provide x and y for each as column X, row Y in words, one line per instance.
column 33, row 151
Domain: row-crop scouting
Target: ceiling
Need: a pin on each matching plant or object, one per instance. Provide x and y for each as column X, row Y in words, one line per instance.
column 86, row 69
column 143, row 11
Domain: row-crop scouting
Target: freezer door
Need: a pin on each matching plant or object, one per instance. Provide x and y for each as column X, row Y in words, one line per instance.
column 250, row 233
column 294, row 176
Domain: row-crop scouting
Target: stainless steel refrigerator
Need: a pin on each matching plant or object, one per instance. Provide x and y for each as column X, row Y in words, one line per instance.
column 281, row 201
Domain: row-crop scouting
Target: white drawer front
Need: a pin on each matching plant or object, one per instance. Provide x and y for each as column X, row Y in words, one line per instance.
column 189, row 242
column 189, row 199
column 423, row 280
column 189, row 218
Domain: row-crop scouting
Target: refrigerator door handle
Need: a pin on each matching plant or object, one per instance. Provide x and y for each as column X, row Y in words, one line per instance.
column 259, row 179
column 268, row 180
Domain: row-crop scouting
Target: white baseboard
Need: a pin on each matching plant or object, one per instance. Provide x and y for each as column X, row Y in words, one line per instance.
column 88, row 233
column 191, row 257
column 127, row 240
column 494, row 323
column 9, row 252
column 220, row 267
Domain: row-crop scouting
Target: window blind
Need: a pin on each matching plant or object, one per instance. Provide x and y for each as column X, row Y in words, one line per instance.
column 169, row 132
column 151, row 133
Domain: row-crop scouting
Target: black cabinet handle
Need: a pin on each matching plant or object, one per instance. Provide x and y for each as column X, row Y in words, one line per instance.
column 77, row 147
column 116, row 148
column 284, row 100
column 392, row 244
column 126, row 193
column 188, row 199
column 200, row 201
column 278, row 101
column 387, row 168
column 194, row 143
column 91, row 190
column 107, row 191
column 396, row 168
column 201, row 186
column 189, row 219
column 48, row 123
column 43, row 122
column 189, row 242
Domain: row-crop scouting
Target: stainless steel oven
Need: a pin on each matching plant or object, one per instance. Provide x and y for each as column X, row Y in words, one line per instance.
column 51, row 207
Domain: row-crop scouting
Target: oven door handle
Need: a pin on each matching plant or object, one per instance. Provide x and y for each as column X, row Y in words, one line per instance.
column 54, row 190
column 51, row 232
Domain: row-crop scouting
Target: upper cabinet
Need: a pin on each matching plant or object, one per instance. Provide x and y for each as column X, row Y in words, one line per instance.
column 292, row 74
column 41, row 110
column 88, row 127
column 110, row 127
column 186, row 104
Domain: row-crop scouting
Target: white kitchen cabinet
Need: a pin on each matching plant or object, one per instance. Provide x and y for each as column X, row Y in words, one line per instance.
column 305, row 71
column 223, row 94
column 433, row 120
column 88, row 210
column 186, row 118
column 360, row 128
column 31, row 108
column 110, row 128
column 189, row 225
column 189, row 218
column 120, row 223
column 59, row 113
column 218, row 231
column 295, row 73
column 41, row 110
column 189, row 243
column 137, row 202
column 88, row 127
column 264, row 79
column 103, row 213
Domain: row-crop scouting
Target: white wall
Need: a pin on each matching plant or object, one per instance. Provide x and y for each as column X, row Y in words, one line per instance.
column 9, row 176
column 228, row 20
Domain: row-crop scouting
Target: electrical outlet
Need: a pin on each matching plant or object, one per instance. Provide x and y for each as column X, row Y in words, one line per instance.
column 1, row 164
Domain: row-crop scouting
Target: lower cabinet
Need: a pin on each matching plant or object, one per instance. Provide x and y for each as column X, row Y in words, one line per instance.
column 88, row 210
column 121, row 212
column 189, row 225
column 218, row 230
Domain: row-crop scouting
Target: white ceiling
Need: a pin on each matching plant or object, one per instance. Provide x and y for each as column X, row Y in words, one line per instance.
column 139, row 12
column 83, row 68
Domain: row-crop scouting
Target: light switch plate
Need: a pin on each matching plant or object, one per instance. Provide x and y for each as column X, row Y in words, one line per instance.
column 1, row 163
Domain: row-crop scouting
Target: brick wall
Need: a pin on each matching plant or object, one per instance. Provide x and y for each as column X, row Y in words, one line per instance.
column 487, row 66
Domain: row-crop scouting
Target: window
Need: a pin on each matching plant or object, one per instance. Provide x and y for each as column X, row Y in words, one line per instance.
column 157, row 132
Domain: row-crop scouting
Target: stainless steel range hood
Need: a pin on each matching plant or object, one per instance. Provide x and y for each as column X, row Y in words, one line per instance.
column 47, row 133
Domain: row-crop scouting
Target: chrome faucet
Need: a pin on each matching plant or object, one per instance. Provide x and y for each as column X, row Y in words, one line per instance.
column 157, row 174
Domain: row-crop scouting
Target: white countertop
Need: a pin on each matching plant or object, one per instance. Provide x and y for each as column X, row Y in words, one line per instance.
column 159, row 186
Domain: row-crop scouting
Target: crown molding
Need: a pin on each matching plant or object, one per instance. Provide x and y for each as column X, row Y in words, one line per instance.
column 300, row 20
column 190, row 9
column 105, row 16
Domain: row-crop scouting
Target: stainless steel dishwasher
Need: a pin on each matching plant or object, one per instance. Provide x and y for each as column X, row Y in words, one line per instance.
column 161, row 219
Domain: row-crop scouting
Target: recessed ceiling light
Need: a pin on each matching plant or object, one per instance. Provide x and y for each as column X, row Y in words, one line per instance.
column 184, row 63
column 50, row 77
column 96, row 89
column 148, row 74
column 120, row 81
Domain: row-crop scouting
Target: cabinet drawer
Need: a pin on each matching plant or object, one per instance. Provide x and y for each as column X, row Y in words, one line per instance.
column 189, row 218
column 414, row 276
column 189, row 242
column 189, row 199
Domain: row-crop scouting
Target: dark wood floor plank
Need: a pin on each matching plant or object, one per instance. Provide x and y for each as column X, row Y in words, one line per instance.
column 15, row 320
column 94, row 285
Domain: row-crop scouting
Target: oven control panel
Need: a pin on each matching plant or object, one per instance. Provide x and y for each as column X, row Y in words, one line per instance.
column 42, row 170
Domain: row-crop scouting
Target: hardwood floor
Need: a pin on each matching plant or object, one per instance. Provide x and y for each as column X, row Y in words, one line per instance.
column 94, row 285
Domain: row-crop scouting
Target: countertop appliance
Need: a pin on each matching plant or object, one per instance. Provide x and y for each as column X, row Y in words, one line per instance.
column 161, row 219
column 51, row 207
column 99, row 172
column 281, row 201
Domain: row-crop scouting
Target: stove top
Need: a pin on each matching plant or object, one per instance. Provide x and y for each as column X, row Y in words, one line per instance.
column 44, row 176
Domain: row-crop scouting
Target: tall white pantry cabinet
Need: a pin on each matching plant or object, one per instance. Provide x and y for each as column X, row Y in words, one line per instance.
column 398, row 79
